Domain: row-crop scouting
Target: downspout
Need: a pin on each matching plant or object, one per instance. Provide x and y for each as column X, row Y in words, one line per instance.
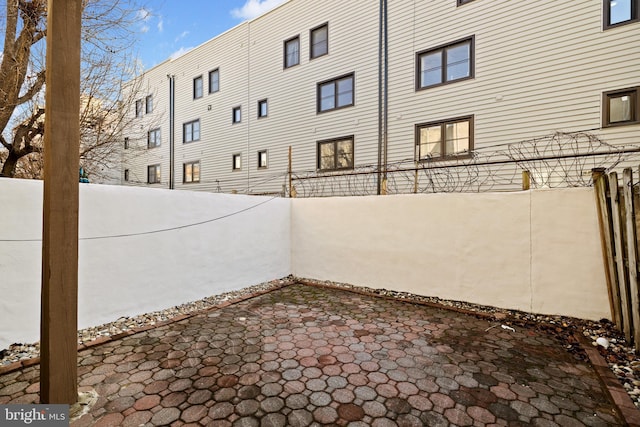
column 385, row 110
column 380, row 117
column 172, row 90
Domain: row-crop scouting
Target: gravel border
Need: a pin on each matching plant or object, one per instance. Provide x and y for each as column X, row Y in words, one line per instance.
column 621, row 358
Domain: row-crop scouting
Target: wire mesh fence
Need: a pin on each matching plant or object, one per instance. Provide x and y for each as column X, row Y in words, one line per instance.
column 562, row 159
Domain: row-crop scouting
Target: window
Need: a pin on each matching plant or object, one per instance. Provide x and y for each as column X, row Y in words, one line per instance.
column 191, row 131
column 620, row 12
column 335, row 154
column 620, row 107
column 263, row 109
column 149, row 104
column 153, row 138
column 126, row 143
column 236, row 115
column 336, row 93
column 139, row 108
column 237, row 162
column 126, row 174
column 262, row 159
column 153, row 174
column 461, row 2
column 292, row 52
column 191, row 172
column 197, row 87
column 319, row 41
column 445, row 139
column 445, row 64
column 214, row 81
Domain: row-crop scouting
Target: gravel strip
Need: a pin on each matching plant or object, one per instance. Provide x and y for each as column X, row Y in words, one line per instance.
column 621, row 358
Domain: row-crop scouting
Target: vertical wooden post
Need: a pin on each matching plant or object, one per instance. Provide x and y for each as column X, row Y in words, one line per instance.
column 526, row 180
column 632, row 254
column 290, row 174
column 600, row 185
column 58, row 323
column 619, row 251
column 415, row 180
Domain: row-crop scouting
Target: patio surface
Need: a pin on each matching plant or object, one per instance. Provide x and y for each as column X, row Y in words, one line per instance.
column 306, row 355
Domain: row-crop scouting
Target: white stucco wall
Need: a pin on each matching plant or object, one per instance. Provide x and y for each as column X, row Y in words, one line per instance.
column 536, row 251
column 125, row 276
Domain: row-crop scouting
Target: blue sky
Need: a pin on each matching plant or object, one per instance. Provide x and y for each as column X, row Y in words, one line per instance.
column 171, row 27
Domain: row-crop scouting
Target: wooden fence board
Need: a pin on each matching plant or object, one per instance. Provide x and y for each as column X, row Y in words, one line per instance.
column 632, row 254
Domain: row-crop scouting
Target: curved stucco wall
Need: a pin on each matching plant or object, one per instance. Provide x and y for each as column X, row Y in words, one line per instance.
column 133, row 274
column 536, row 251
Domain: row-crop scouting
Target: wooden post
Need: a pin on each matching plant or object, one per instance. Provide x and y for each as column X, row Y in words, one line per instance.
column 526, row 180
column 415, row 180
column 290, row 174
column 600, row 185
column 383, row 190
column 58, row 323
column 632, row 254
column 619, row 251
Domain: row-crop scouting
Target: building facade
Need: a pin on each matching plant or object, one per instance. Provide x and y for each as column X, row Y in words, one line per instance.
column 360, row 89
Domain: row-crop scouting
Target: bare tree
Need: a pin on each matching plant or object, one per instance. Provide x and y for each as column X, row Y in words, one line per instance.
column 107, row 61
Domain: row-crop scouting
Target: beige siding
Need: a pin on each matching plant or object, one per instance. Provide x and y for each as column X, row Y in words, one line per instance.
column 540, row 66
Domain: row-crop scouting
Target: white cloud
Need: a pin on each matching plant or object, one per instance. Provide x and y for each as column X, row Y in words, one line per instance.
column 144, row 29
column 143, row 14
column 178, row 53
column 181, row 36
column 253, row 8
column 160, row 25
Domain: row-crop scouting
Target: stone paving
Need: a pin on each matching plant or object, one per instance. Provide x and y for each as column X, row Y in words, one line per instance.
column 305, row 355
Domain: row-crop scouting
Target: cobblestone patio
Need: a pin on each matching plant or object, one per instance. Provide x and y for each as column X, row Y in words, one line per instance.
column 305, row 355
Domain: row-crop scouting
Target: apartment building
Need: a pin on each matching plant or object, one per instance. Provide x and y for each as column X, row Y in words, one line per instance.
column 347, row 85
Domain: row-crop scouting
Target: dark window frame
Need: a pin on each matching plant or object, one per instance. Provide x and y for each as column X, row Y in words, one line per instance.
column 335, row 142
column 235, row 156
column 442, row 48
column 462, row 2
column 184, row 172
column 335, row 93
column 237, row 109
column 266, row 159
column 148, row 104
column 634, row 92
column 139, row 108
column 195, row 87
column 311, row 31
column 285, row 64
column 126, row 175
column 157, row 140
column 126, row 142
column 215, row 72
column 262, row 102
column 157, row 176
column 606, row 14
column 184, row 133
column 442, row 123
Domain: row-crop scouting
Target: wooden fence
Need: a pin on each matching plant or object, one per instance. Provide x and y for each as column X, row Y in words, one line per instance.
column 618, row 230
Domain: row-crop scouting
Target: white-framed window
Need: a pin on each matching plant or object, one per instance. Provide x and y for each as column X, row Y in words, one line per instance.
column 191, row 131
column 153, row 174
column 262, row 159
column 236, row 164
column 335, row 93
column 335, row 154
column 292, row 52
column 153, row 138
column 445, row 64
column 263, row 108
column 191, row 172
column 445, row 139
column 197, row 87
column 214, row 80
column 319, row 41
column 236, row 114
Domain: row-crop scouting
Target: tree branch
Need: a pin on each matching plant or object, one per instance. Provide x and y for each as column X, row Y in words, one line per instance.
column 34, row 89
